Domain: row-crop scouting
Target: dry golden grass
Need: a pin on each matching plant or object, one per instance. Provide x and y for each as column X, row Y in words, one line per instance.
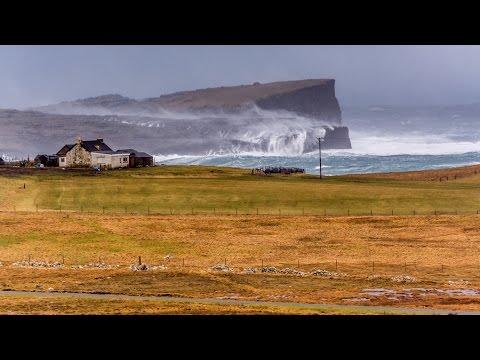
column 422, row 243
column 204, row 240
column 22, row 305
column 448, row 174
column 433, row 249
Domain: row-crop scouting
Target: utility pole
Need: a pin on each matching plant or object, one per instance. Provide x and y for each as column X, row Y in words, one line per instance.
column 320, row 155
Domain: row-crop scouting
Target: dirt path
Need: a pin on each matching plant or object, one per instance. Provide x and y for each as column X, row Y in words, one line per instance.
column 359, row 308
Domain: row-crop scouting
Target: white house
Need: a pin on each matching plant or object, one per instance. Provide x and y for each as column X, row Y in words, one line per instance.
column 110, row 159
column 79, row 154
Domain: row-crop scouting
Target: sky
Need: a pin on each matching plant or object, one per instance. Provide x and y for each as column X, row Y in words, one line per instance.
column 365, row 75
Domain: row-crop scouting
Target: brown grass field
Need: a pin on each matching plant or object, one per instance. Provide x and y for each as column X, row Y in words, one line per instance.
column 438, row 256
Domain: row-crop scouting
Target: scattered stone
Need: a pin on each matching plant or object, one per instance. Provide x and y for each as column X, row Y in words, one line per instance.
column 403, row 279
column 295, row 272
column 326, row 273
column 99, row 265
column 50, row 289
column 221, row 267
column 168, row 257
column 250, row 270
column 37, row 264
column 157, row 267
column 269, row 269
column 39, row 287
column 356, row 299
column 458, row 283
column 405, row 294
column 139, row 267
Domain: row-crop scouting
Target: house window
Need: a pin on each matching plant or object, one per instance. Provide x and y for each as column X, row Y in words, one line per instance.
column 125, row 159
column 62, row 159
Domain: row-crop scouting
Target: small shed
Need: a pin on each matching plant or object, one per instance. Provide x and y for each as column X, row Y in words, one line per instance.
column 2, row 162
column 46, row 160
column 138, row 158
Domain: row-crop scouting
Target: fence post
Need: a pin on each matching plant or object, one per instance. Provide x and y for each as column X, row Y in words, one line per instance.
column 236, row 211
column 257, row 211
column 298, row 263
column 371, row 212
column 413, row 211
column 405, row 267
column 63, row 259
column 373, row 266
column 435, row 212
column 183, row 262
column 139, row 260
column 324, row 212
column 225, row 261
column 36, row 207
column 279, row 212
column 392, row 212
column 336, row 265
column 303, row 211
column 262, row 263
column 28, row 259
column 148, row 210
column 348, row 212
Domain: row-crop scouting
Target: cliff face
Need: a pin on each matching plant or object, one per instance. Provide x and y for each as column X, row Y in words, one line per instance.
column 279, row 117
column 316, row 101
column 311, row 98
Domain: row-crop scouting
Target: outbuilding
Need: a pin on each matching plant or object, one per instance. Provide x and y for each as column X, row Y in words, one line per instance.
column 110, row 159
column 138, row 158
column 46, row 160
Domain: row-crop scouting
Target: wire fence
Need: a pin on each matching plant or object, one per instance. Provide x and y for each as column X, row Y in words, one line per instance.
column 333, row 268
column 241, row 211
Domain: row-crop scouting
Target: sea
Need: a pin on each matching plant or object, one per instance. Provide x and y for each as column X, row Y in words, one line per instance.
column 369, row 154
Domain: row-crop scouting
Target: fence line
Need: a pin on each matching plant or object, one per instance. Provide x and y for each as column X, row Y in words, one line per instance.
column 334, row 266
column 254, row 211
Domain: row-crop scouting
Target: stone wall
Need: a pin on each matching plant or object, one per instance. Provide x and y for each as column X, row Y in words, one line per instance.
column 78, row 157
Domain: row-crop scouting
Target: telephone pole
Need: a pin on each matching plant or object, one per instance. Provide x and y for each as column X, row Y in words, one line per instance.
column 320, row 155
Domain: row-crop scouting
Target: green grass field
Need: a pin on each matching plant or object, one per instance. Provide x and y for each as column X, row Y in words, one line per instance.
column 179, row 189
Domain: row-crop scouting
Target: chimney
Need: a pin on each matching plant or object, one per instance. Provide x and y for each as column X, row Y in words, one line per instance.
column 100, row 140
column 79, row 140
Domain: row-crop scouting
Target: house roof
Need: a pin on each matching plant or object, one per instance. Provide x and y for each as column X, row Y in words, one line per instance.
column 95, row 145
column 89, row 145
column 65, row 149
column 136, row 153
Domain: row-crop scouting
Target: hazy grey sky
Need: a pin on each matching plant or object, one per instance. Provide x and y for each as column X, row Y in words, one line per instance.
column 366, row 75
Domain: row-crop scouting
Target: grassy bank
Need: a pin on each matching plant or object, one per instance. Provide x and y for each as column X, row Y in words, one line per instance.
column 207, row 190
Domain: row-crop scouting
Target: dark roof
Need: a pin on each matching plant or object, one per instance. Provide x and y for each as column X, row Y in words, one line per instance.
column 95, row 145
column 136, row 153
column 65, row 149
column 89, row 145
column 1, row 161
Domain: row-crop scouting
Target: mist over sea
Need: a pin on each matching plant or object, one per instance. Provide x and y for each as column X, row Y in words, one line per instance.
column 369, row 153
